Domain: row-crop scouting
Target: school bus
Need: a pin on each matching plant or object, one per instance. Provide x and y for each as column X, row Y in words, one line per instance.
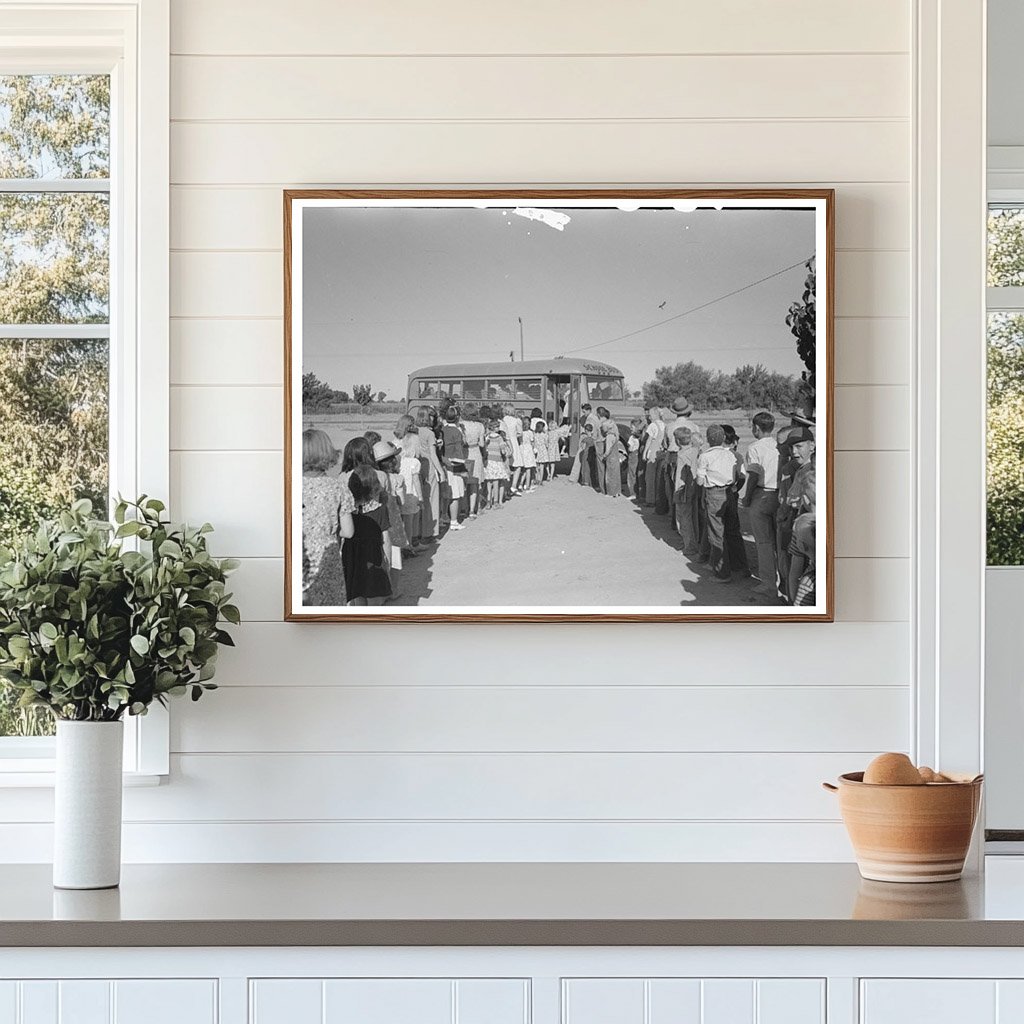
column 560, row 386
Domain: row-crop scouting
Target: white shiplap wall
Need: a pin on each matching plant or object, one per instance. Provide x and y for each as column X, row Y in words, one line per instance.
column 544, row 742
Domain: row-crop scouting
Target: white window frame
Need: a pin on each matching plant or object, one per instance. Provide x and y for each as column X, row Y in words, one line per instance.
column 130, row 41
column 949, row 395
column 1003, row 713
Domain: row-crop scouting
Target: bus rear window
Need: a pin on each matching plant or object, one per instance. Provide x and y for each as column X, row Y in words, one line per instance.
column 604, row 390
column 527, row 390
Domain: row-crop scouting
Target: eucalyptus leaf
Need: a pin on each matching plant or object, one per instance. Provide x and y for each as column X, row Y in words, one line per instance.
column 93, row 631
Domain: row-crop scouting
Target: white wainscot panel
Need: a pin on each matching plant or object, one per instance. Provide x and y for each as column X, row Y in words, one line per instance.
column 872, row 283
column 872, row 589
column 143, row 1001
column 872, row 504
column 726, row 152
column 466, row 27
column 693, row 1001
column 228, row 352
column 538, row 88
column 868, row 216
column 239, row 492
column 872, row 350
column 227, row 418
column 389, row 1001
column 868, row 418
column 935, row 1001
column 546, row 718
column 498, row 786
column 840, row 654
column 226, row 284
column 735, row 842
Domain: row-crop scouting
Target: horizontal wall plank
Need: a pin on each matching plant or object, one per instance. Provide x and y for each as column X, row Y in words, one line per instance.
column 405, row 719
column 454, row 842
column 572, row 26
column 870, row 418
column 868, row 216
column 732, row 152
column 250, row 418
column 872, row 284
column 538, row 88
column 872, row 504
column 234, row 284
column 227, row 352
column 218, row 418
column 258, row 586
column 241, row 493
column 208, row 284
column 320, row 787
column 799, row 654
column 873, row 589
column 873, row 351
column 867, row 589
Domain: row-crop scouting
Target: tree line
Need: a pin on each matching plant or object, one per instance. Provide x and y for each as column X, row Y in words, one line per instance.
column 748, row 387
column 318, row 396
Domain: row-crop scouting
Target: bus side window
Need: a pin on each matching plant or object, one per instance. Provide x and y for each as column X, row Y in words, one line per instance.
column 452, row 388
column 473, row 390
column 427, row 389
column 500, row 389
column 527, row 390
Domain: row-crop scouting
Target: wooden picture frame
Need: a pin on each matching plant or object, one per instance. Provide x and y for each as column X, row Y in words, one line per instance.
column 393, row 239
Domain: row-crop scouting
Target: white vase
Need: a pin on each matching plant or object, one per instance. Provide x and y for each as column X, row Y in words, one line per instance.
column 87, row 805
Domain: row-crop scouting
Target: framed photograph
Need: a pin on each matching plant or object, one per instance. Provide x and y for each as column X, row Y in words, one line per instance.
column 558, row 405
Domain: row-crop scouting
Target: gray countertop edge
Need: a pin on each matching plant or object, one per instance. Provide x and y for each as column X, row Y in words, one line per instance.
column 243, row 933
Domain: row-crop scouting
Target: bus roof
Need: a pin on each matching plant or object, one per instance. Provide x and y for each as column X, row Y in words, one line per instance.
column 530, row 367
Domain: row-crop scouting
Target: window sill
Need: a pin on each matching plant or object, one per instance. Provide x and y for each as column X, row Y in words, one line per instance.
column 37, row 777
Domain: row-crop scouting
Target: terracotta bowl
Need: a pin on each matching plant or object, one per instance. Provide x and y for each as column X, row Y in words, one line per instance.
column 909, row 833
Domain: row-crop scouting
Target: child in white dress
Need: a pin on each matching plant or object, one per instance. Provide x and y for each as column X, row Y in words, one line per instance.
column 412, row 502
column 528, row 454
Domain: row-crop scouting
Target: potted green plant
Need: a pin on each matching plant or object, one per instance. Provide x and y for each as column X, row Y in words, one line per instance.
column 99, row 620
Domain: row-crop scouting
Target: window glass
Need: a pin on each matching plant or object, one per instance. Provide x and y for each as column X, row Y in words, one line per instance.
column 604, row 390
column 1005, row 484
column 54, row 126
column 428, row 389
column 528, row 390
column 54, row 257
column 452, row 388
column 54, row 273
column 500, row 390
column 1006, row 246
column 473, row 390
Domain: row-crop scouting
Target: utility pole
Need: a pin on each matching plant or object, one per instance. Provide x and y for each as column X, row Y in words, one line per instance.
column 520, row 319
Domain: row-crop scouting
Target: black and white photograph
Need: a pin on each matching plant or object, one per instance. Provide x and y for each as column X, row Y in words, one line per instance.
column 559, row 405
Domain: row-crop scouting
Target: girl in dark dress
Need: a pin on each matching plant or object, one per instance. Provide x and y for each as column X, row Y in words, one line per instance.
column 367, row 580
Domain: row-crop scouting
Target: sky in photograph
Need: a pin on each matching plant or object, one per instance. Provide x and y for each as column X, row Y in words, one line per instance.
column 386, row 291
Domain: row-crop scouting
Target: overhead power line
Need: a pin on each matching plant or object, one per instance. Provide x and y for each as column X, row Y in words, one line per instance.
column 687, row 312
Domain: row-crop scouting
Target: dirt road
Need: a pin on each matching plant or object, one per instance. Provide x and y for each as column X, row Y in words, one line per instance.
column 566, row 544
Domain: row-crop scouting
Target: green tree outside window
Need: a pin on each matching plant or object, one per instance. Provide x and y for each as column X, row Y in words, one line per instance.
column 54, row 279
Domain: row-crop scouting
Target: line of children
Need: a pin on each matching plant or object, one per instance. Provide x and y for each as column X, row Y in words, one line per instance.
column 774, row 480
